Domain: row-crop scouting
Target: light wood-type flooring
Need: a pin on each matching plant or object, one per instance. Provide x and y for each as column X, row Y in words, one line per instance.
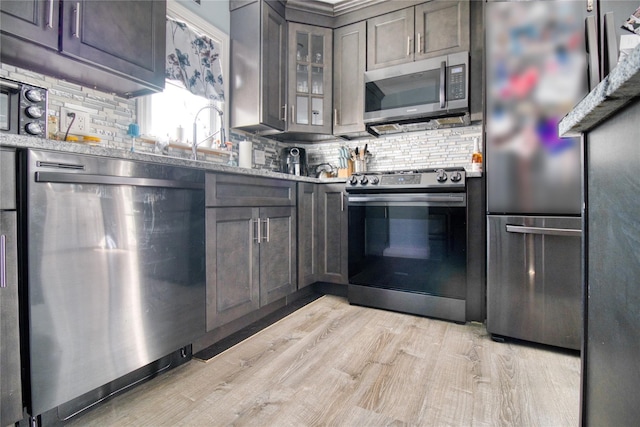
column 330, row 363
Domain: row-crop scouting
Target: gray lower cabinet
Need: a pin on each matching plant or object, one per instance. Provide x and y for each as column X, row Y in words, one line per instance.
column 232, row 264
column 332, row 234
column 349, row 65
column 251, row 260
column 307, row 234
column 10, row 378
column 251, row 244
column 113, row 47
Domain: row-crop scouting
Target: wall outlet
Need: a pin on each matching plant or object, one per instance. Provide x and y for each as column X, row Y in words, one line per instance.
column 80, row 125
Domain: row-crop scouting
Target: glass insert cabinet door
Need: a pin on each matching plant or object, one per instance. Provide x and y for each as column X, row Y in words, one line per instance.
column 310, row 78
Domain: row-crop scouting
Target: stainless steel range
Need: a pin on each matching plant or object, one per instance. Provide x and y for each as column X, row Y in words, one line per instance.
column 407, row 241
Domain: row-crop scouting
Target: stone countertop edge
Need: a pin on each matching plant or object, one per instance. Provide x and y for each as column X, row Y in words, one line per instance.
column 615, row 91
column 23, row 141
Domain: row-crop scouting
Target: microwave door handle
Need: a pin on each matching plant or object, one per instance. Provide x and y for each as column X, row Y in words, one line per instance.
column 443, row 69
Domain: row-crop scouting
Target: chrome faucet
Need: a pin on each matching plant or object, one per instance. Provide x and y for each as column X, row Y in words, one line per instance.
column 194, row 147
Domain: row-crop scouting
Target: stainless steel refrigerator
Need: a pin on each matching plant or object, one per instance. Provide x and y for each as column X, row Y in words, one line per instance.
column 536, row 68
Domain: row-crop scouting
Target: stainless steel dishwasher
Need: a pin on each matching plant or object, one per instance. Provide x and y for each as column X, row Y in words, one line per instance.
column 115, row 269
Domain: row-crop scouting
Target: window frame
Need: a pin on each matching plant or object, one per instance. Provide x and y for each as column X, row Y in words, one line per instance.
column 177, row 11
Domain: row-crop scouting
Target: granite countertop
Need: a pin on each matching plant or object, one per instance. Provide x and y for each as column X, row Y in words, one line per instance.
column 21, row 141
column 616, row 90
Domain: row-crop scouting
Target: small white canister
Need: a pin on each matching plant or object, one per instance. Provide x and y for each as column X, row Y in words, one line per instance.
column 245, row 151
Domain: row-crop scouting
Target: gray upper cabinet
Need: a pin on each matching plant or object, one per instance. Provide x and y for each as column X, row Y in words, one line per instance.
column 442, row 27
column 439, row 27
column 113, row 46
column 390, row 39
column 310, row 75
column 33, row 20
column 349, row 65
column 258, row 62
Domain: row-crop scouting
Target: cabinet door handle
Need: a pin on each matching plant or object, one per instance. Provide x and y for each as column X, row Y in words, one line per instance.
column 284, row 113
column 409, row 46
column 589, row 5
column 266, row 231
column 50, row 15
column 293, row 114
column 419, row 43
column 3, row 261
column 256, row 230
column 443, row 69
column 335, row 117
column 76, row 29
column 341, row 201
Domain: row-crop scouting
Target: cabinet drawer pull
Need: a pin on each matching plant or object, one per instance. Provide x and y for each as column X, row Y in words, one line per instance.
column 266, row 231
column 76, row 29
column 256, row 230
column 50, row 15
column 3, row 261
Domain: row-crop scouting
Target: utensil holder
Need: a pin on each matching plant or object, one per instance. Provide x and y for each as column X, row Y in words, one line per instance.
column 360, row 166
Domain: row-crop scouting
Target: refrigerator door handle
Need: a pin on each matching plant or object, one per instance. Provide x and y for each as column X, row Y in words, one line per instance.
column 568, row 232
column 591, row 37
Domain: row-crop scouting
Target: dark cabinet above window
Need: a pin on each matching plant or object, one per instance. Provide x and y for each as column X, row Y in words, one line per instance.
column 112, row 46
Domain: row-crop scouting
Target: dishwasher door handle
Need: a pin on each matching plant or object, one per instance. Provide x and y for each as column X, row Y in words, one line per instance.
column 76, row 178
column 568, row 232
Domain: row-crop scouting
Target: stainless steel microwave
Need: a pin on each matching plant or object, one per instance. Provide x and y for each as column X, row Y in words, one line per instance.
column 23, row 109
column 433, row 87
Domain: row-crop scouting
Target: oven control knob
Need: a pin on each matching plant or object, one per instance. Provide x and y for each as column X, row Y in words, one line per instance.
column 456, row 177
column 364, row 180
column 34, row 128
column 353, row 180
column 441, row 176
column 34, row 112
column 33, row 95
column 374, row 180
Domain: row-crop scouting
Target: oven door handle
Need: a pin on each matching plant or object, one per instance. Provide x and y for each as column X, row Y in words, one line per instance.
column 444, row 199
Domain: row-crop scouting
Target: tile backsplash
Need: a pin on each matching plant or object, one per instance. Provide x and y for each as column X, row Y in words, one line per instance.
column 111, row 115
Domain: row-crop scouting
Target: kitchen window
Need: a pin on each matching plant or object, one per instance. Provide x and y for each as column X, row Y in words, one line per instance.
column 170, row 115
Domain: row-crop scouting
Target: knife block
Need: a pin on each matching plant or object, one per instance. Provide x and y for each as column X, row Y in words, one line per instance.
column 346, row 172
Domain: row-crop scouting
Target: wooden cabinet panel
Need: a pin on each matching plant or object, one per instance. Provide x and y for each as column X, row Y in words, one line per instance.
column 236, row 190
column 232, row 264
column 307, row 234
column 333, row 234
column 274, row 48
column 390, row 39
column 349, row 65
column 34, row 20
column 127, row 39
column 10, row 378
column 442, row 27
column 435, row 28
column 277, row 253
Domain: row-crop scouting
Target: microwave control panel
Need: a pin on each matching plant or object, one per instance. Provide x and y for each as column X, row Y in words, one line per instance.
column 456, row 82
